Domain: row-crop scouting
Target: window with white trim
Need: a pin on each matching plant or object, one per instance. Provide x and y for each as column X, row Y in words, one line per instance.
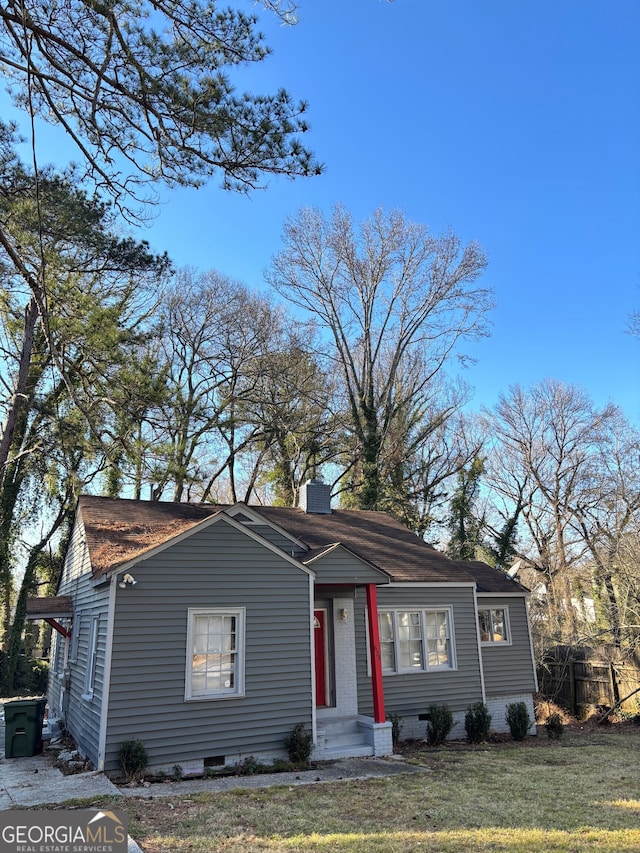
column 215, row 653
column 416, row 640
column 494, row 625
column 92, row 658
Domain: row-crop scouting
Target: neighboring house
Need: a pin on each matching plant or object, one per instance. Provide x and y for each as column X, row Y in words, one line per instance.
column 209, row 632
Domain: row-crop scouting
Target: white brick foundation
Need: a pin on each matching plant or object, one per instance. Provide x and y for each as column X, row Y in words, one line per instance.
column 497, row 706
column 415, row 729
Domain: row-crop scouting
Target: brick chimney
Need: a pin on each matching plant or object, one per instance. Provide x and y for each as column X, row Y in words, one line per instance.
column 315, row 497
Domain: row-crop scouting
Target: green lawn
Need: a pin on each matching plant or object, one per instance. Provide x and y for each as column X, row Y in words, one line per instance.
column 578, row 794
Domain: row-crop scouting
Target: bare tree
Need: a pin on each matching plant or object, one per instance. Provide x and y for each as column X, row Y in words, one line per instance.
column 424, row 453
column 230, row 364
column 608, row 517
column 292, row 403
column 395, row 301
column 545, row 441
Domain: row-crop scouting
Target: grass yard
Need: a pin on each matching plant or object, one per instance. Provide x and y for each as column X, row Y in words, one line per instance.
column 581, row 793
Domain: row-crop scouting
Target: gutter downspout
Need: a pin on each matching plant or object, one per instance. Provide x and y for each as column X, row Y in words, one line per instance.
column 376, row 659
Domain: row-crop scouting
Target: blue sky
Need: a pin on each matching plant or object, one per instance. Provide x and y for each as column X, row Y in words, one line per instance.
column 515, row 124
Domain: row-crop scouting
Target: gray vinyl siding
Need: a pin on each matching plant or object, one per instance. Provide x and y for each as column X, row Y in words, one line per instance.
column 411, row 694
column 509, row 669
column 284, row 543
column 81, row 716
column 339, row 566
column 218, row 567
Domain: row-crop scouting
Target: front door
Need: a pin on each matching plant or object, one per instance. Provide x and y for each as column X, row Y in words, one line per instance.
column 320, row 648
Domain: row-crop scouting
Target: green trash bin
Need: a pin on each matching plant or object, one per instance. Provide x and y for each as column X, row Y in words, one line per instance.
column 23, row 720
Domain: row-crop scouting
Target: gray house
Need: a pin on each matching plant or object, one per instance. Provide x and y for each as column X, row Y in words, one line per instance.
column 209, row 632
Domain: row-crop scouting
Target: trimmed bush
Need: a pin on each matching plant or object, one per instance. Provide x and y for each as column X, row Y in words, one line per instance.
column 396, row 727
column 554, row 726
column 477, row 722
column 299, row 746
column 518, row 720
column 439, row 725
column 133, row 759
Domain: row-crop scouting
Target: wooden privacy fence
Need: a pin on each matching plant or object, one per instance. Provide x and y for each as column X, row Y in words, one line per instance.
column 576, row 677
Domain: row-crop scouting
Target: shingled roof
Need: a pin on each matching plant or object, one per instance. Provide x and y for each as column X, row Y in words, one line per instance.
column 119, row 530
column 387, row 544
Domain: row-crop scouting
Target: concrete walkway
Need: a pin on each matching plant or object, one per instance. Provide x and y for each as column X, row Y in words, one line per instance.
column 336, row 771
column 35, row 781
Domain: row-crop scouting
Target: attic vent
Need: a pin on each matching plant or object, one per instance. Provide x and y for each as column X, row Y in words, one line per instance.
column 315, row 497
column 243, row 519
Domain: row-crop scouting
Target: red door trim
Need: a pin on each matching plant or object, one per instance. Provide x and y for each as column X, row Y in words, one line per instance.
column 320, row 652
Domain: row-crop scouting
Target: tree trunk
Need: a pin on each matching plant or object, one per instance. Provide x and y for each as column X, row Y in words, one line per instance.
column 371, row 491
column 19, row 396
column 614, row 610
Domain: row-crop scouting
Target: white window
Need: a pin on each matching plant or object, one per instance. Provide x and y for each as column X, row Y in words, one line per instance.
column 92, row 658
column 215, row 653
column 416, row 640
column 494, row 625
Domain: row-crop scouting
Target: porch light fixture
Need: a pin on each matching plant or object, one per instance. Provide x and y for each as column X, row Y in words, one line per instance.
column 127, row 580
column 344, row 614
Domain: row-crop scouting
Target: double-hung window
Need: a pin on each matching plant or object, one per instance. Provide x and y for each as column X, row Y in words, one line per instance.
column 416, row 640
column 215, row 653
column 494, row 625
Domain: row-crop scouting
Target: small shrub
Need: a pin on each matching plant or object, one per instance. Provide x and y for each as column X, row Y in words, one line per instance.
column 249, row 766
column 439, row 725
column 518, row 719
column 133, row 759
column 477, row 722
column 281, row 765
column 396, row 727
column 299, row 746
column 554, row 726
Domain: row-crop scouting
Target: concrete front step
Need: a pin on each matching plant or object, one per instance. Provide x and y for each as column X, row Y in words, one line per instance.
column 339, row 725
column 341, row 738
column 353, row 751
column 353, row 738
